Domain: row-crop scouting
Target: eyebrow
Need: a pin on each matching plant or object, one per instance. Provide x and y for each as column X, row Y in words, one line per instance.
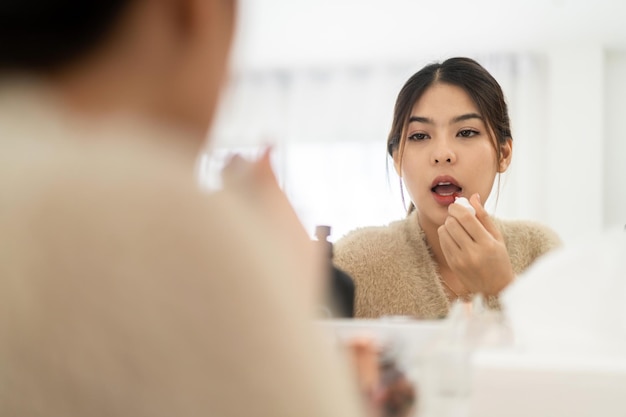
column 457, row 119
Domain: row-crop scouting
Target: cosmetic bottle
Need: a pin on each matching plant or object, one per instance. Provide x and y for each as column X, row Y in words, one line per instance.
column 340, row 286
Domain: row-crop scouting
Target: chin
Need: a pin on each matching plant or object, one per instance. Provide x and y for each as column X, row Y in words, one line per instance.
column 436, row 219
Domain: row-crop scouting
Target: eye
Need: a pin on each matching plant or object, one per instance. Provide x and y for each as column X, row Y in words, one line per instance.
column 467, row 133
column 418, row 136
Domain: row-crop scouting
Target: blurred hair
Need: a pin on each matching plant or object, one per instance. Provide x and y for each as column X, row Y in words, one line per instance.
column 44, row 35
column 467, row 74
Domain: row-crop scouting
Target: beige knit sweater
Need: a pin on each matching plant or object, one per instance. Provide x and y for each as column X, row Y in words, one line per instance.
column 395, row 273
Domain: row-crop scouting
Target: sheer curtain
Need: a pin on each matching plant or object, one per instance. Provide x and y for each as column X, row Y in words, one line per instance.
column 329, row 128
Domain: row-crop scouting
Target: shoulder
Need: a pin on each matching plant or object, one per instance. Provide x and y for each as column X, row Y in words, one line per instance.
column 133, row 219
column 528, row 232
column 114, row 248
column 131, row 208
column 391, row 250
column 527, row 240
column 372, row 241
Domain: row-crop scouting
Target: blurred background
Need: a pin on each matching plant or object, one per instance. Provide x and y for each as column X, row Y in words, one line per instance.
column 318, row 80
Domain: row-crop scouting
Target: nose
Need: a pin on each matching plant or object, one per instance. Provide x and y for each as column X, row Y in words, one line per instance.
column 443, row 153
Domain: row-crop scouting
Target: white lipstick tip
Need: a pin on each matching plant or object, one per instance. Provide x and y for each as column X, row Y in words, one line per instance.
column 465, row 203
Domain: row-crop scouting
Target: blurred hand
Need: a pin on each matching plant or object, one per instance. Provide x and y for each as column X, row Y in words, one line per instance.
column 256, row 183
column 475, row 250
column 386, row 390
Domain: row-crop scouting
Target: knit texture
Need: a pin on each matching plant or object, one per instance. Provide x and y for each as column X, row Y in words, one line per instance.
column 395, row 273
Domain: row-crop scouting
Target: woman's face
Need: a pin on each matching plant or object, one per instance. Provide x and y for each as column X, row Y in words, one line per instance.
column 448, row 152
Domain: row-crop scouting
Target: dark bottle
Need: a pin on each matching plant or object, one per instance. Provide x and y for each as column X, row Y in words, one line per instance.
column 340, row 294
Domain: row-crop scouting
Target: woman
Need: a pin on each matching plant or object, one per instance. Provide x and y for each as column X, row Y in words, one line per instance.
column 450, row 138
column 125, row 291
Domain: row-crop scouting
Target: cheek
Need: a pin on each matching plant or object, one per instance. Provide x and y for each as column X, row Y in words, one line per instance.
column 486, row 184
column 415, row 172
column 484, row 157
column 414, row 181
column 484, row 176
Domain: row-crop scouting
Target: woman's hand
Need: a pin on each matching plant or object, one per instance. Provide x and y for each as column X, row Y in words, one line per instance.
column 475, row 250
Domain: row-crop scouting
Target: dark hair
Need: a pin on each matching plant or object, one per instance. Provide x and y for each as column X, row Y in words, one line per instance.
column 44, row 35
column 467, row 74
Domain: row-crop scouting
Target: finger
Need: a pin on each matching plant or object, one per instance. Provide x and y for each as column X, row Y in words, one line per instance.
column 234, row 163
column 263, row 167
column 268, row 149
column 448, row 245
column 234, row 170
column 484, row 218
column 458, row 233
column 472, row 226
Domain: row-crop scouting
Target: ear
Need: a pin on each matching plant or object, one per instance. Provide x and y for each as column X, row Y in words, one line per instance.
column 205, row 29
column 506, row 153
column 208, row 20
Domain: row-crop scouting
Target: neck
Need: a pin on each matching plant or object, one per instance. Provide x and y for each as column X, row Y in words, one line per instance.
column 133, row 73
column 432, row 238
column 97, row 89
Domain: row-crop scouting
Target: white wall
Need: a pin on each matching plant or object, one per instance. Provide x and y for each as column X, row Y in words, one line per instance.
column 306, row 33
column 327, row 72
column 575, row 143
column 614, row 180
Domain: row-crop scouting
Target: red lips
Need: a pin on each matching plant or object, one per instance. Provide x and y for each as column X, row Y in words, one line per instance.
column 444, row 189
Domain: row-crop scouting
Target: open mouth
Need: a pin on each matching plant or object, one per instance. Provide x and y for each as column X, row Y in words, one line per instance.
column 446, row 188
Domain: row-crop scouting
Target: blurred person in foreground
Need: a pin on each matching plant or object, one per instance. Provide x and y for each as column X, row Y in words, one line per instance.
column 124, row 291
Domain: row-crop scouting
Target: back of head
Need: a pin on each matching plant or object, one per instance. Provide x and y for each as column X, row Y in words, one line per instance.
column 44, row 35
column 159, row 61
